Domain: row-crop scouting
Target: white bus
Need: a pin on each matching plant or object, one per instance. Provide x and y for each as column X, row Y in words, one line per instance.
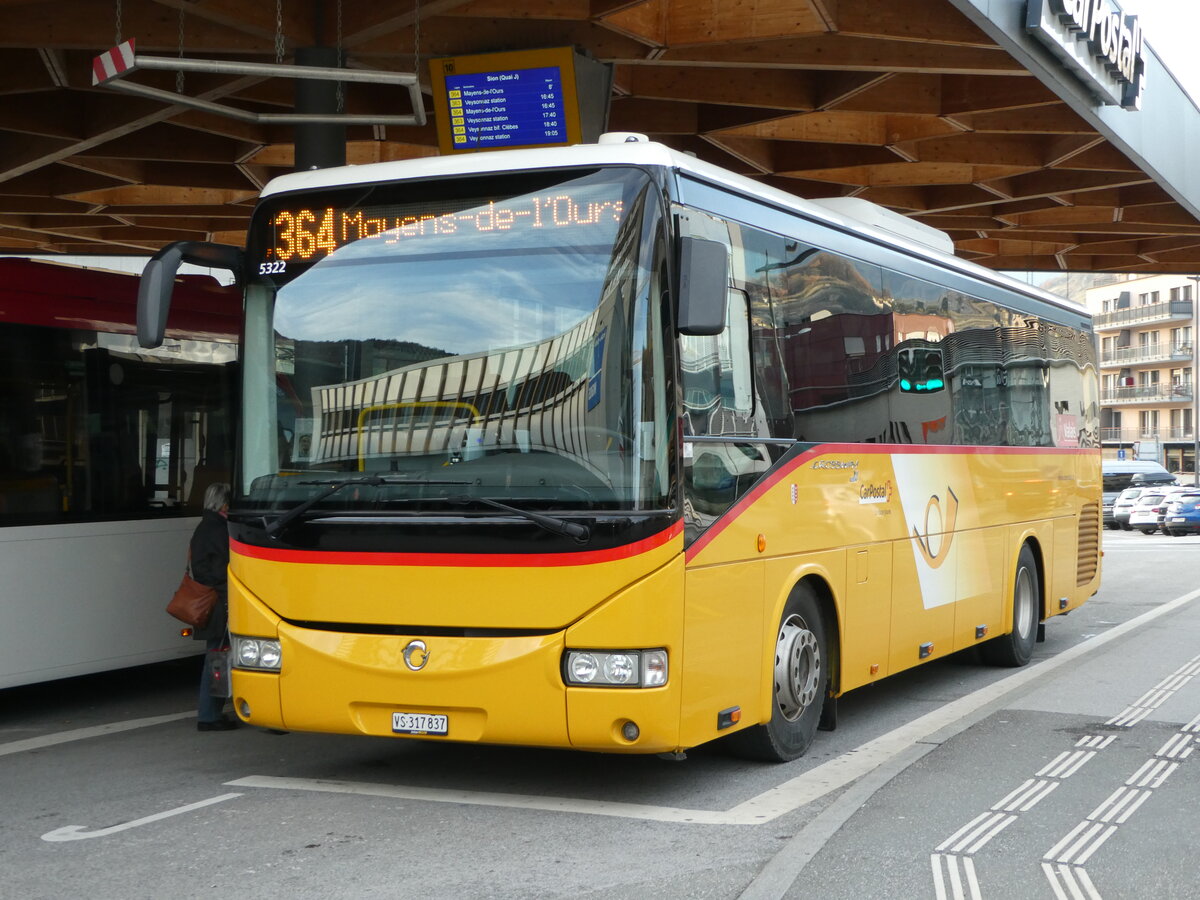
column 105, row 451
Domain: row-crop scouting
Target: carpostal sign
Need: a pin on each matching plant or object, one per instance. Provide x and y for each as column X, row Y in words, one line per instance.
column 1098, row 42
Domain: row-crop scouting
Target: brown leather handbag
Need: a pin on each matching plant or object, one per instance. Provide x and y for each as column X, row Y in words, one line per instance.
column 193, row 602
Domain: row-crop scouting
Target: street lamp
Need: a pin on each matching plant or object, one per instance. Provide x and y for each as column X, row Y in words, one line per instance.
column 1195, row 279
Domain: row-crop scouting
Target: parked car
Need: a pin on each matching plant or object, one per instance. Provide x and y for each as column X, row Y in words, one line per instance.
column 1121, row 474
column 1148, row 511
column 1183, row 513
column 1123, row 505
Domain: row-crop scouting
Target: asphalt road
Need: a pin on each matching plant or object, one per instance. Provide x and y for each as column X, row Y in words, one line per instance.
column 1071, row 778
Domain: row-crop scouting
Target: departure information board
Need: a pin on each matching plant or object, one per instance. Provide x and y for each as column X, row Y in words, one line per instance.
column 502, row 101
column 516, row 108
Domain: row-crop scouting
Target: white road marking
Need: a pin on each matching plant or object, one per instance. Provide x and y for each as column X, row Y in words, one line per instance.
column 964, row 842
column 80, row 832
column 1081, row 842
column 80, row 734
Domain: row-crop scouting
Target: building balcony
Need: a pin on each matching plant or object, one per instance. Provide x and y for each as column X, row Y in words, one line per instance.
column 1151, row 313
column 1138, row 356
column 1132, row 434
column 1177, row 394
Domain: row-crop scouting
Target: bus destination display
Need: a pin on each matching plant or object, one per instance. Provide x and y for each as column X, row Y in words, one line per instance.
column 516, row 108
column 303, row 234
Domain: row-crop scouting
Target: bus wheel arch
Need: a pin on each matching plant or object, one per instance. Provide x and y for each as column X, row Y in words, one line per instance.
column 1027, row 609
column 804, row 666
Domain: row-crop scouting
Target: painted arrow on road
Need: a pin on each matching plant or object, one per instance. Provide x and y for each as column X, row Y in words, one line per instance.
column 80, row 832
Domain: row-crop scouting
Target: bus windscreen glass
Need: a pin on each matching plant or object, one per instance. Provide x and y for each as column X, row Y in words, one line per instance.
column 501, row 338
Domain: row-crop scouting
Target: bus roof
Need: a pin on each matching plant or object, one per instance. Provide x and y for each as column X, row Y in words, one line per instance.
column 636, row 150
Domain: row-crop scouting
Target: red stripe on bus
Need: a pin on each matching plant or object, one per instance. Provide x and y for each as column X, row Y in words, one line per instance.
column 459, row 560
column 861, row 450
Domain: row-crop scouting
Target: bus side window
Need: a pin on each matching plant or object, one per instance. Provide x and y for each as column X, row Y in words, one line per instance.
column 718, row 393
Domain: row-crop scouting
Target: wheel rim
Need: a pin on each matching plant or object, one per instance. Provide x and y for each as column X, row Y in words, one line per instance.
column 797, row 668
column 1023, row 603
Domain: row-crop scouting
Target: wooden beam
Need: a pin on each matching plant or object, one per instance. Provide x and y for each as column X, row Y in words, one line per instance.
column 836, row 88
column 41, row 206
column 907, row 94
column 22, row 163
column 32, row 114
column 1098, row 156
column 1006, row 247
column 653, row 116
column 211, row 123
column 903, row 199
column 1163, row 214
column 840, row 53
column 76, row 25
column 986, row 93
column 575, row 10
column 701, row 22
column 1055, row 118
column 172, row 194
column 254, row 19
column 1064, row 151
column 1063, row 181
column 376, row 23
column 810, row 190
column 131, row 171
column 645, row 22
column 1016, row 151
column 1069, row 216
column 909, row 20
column 912, row 173
column 975, row 223
column 776, row 89
column 840, row 127
column 447, row 36
column 169, row 144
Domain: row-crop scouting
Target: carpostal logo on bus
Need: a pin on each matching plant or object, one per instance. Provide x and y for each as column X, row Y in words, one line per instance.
column 876, row 493
column 1096, row 39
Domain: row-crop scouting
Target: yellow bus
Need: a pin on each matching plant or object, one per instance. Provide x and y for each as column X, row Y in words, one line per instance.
column 606, row 448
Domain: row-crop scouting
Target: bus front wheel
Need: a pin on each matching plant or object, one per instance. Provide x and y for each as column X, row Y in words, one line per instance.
column 1016, row 647
column 800, row 684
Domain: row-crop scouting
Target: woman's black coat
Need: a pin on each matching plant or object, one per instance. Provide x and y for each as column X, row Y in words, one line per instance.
column 210, row 560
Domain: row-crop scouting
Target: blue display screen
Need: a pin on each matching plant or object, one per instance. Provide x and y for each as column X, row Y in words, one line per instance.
column 517, row 108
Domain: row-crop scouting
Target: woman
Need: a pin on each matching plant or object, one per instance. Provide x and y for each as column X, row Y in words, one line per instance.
column 210, row 560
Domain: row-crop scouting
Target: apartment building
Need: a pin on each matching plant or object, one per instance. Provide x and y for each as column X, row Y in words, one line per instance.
column 1145, row 329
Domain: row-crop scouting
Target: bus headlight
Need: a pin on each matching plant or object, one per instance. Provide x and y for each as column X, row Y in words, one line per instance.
column 616, row 668
column 256, row 653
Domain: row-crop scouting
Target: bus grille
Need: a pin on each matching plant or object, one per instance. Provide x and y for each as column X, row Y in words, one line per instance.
column 1089, row 544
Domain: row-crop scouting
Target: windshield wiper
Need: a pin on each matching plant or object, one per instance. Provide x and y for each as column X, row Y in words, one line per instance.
column 553, row 524
column 274, row 528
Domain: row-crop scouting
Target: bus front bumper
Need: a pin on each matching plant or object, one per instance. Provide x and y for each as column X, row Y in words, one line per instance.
column 500, row 690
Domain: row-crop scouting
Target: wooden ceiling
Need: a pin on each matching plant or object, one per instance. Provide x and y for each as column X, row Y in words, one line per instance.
column 903, row 102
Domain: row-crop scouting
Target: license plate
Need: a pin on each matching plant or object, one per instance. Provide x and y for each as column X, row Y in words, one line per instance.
column 1173, row 521
column 419, row 723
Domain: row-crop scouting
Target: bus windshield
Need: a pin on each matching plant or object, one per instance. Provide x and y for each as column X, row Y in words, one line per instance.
column 495, row 338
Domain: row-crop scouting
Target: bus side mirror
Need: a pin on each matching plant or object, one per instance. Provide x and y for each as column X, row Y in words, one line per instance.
column 703, row 286
column 158, row 281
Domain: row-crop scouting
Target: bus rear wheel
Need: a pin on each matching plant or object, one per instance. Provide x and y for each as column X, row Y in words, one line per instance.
column 1016, row 648
column 801, row 683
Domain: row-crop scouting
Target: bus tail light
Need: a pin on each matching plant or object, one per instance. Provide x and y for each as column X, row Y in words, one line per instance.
column 616, row 668
column 262, row 654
